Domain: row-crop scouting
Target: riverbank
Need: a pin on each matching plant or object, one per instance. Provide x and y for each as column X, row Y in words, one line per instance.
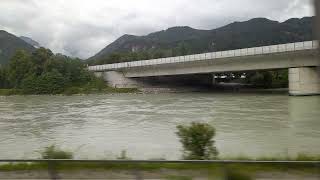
column 74, row 91
column 215, row 89
column 150, row 90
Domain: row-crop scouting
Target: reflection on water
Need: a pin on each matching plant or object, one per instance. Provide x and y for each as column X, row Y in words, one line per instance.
column 101, row 126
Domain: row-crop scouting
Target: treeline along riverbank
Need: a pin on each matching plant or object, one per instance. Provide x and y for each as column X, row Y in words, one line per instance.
column 43, row 72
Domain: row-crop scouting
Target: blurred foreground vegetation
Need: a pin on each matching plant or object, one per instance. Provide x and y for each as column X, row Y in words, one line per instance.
column 230, row 171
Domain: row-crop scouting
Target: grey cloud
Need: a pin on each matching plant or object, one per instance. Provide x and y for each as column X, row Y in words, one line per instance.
column 82, row 28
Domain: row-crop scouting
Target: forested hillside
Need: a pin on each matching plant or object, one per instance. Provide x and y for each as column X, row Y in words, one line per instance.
column 185, row 40
column 9, row 44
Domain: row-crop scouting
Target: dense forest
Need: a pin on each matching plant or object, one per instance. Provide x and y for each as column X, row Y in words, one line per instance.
column 43, row 72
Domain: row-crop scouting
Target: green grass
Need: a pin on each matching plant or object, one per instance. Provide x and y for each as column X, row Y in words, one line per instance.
column 236, row 171
column 155, row 166
column 176, row 166
column 237, row 175
column 107, row 166
column 10, row 92
column 298, row 157
column 23, row 166
column 178, row 178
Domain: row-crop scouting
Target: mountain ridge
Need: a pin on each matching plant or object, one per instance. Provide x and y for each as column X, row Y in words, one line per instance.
column 30, row 41
column 254, row 32
column 9, row 44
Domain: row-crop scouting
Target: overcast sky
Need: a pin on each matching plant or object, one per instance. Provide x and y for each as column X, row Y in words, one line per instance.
column 83, row 27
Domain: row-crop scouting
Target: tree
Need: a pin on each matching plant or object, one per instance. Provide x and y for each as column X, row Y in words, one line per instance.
column 48, row 83
column 260, row 78
column 52, row 152
column 197, row 141
column 19, row 67
column 44, row 73
column 182, row 48
column 158, row 54
column 39, row 59
column 4, row 83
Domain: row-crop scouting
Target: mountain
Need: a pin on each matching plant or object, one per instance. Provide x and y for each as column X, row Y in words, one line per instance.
column 30, row 41
column 9, row 43
column 186, row 40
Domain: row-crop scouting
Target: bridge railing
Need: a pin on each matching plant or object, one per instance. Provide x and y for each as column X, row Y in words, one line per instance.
column 307, row 45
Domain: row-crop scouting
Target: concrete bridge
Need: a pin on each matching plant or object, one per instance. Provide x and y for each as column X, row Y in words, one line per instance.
column 300, row 58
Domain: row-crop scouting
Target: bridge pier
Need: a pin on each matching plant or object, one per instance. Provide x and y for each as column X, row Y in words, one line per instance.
column 117, row 79
column 304, row 81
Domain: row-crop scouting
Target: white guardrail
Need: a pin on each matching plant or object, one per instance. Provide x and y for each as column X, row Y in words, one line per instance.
column 307, row 45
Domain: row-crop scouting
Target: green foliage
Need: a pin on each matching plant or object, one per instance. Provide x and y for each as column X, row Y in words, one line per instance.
column 4, row 82
column 96, row 83
column 123, row 155
column 19, row 68
column 178, row 178
column 179, row 41
column 268, row 79
column 47, row 83
column 263, row 79
column 236, row 175
column 298, row 157
column 72, row 90
column 39, row 58
column 52, row 152
column 197, row 141
column 9, row 92
column 42, row 72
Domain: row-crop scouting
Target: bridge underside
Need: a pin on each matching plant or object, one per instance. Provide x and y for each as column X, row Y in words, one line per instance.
column 117, row 79
column 235, row 64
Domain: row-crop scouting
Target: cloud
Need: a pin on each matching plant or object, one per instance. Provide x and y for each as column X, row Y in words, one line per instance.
column 82, row 28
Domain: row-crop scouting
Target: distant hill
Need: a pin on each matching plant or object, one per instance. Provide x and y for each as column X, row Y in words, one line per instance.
column 30, row 41
column 186, row 40
column 9, row 43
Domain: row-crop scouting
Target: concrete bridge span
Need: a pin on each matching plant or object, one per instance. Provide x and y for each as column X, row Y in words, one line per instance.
column 300, row 58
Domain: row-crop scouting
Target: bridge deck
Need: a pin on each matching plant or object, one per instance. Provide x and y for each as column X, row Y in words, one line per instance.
column 273, row 49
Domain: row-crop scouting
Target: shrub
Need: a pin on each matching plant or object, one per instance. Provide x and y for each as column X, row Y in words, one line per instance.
column 197, row 141
column 52, row 152
column 178, row 178
column 9, row 92
column 48, row 83
column 235, row 175
column 123, row 155
column 72, row 90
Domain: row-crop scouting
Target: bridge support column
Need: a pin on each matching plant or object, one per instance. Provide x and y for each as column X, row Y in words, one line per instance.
column 304, row 81
column 214, row 81
column 117, row 79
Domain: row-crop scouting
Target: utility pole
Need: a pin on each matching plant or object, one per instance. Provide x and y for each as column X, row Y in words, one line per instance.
column 316, row 28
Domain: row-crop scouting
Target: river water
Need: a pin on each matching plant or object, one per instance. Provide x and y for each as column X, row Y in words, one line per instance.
column 101, row 126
